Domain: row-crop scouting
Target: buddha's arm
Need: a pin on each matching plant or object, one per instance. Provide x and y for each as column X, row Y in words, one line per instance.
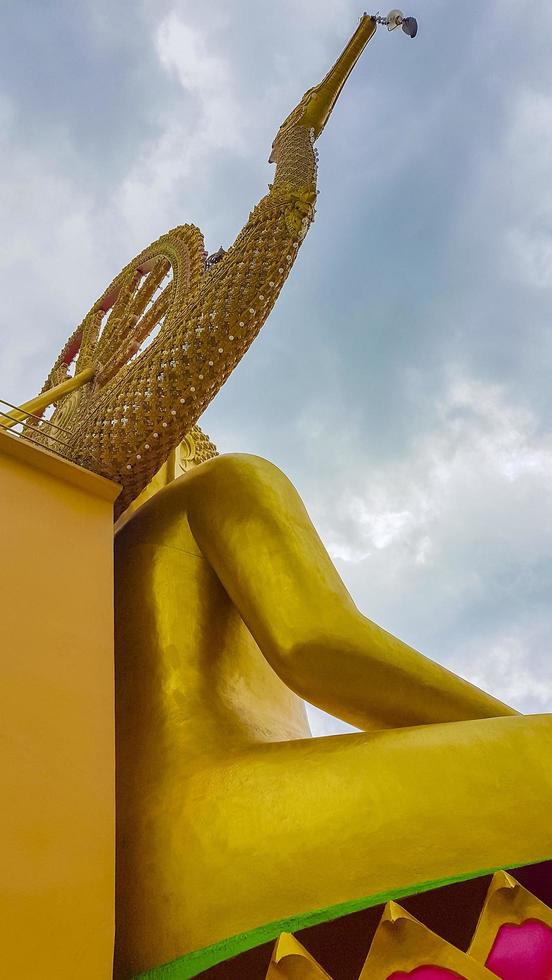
column 252, row 526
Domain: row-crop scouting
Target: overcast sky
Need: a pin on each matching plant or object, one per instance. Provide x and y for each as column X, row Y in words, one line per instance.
column 403, row 379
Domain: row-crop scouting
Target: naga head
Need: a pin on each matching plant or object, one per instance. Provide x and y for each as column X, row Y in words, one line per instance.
column 317, row 104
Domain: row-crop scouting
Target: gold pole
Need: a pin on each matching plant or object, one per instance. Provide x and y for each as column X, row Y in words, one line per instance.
column 42, row 401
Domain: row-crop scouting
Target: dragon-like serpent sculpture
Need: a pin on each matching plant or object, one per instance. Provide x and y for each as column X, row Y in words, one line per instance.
column 130, row 409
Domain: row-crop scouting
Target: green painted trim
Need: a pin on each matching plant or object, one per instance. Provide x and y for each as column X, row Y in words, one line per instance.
column 188, row 966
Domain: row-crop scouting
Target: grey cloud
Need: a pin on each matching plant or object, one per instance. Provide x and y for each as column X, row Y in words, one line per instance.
column 449, row 546
column 86, row 83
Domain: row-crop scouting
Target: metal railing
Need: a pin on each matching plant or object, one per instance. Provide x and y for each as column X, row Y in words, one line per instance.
column 40, row 432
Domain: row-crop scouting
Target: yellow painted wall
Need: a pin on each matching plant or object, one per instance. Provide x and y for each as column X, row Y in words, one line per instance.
column 57, row 764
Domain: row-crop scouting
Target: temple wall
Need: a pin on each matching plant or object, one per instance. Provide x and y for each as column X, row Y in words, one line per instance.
column 57, row 721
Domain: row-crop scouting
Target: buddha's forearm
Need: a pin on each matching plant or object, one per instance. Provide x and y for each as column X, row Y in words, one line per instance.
column 353, row 669
column 373, row 680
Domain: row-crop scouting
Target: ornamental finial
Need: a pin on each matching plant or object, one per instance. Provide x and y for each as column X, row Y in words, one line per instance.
column 396, row 18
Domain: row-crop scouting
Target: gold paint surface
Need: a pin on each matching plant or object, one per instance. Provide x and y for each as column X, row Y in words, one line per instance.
column 506, row 902
column 229, row 612
column 291, row 961
column 57, row 759
column 402, row 943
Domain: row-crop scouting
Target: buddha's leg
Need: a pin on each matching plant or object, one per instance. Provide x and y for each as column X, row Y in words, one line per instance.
column 253, row 528
column 284, row 829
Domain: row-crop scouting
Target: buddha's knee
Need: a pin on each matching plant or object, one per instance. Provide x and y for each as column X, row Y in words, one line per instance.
column 239, row 480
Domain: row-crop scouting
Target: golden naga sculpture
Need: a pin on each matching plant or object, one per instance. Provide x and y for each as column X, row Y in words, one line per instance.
column 229, row 613
column 134, row 410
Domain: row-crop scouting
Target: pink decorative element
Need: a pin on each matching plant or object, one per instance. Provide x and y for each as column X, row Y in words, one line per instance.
column 427, row 973
column 71, row 350
column 522, row 952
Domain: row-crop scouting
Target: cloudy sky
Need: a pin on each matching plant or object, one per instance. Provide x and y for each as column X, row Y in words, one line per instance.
column 403, row 380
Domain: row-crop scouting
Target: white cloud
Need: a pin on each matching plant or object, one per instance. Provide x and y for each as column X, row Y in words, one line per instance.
column 452, row 533
column 322, row 723
column 460, row 475
column 507, row 667
column 507, row 205
column 51, row 254
column 207, row 75
column 209, row 121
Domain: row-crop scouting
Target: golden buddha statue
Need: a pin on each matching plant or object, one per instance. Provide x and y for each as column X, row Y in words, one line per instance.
column 230, row 816
column 229, row 613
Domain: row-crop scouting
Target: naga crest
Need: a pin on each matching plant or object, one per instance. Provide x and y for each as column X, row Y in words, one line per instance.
column 314, row 109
